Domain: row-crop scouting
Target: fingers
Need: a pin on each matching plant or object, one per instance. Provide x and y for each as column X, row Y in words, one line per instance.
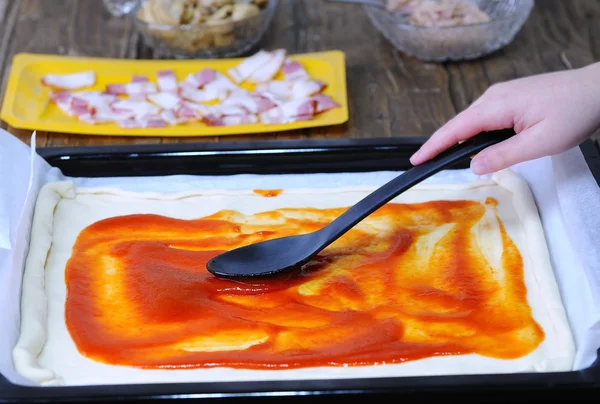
column 527, row 145
column 486, row 115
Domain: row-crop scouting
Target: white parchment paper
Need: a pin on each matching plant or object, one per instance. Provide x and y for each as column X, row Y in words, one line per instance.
column 565, row 191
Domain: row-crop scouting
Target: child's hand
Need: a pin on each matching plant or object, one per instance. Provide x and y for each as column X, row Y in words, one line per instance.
column 550, row 113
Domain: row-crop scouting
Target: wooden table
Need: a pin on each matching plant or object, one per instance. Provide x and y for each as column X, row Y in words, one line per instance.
column 390, row 94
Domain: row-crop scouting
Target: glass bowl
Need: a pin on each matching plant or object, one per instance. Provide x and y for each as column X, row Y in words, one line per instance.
column 452, row 43
column 222, row 39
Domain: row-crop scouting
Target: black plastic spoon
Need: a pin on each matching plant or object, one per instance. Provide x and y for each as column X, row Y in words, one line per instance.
column 281, row 254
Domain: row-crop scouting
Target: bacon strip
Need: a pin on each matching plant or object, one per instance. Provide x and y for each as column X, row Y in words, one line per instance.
column 254, row 103
column 131, row 88
column 165, row 100
column 94, row 99
column 213, row 120
column 154, row 122
column 222, row 85
column 281, row 90
column 186, row 113
column 324, row 103
column 306, row 88
column 167, row 82
column 291, row 111
column 222, row 110
column 231, row 120
column 130, row 123
column 190, row 82
column 205, row 76
column 270, row 69
column 293, row 70
column 249, row 65
column 139, row 79
column 71, row 81
column 60, row 96
column 139, row 108
column 107, row 113
column 208, row 94
column 171, row 118
column 149, row 121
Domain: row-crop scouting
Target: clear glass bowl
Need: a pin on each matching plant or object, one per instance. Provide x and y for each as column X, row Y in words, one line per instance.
column 439, row 44
column 226, row 39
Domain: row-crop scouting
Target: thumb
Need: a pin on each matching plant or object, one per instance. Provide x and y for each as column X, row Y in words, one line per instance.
column 527, row 145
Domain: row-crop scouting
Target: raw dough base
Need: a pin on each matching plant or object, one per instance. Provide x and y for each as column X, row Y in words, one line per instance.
column 46, row 354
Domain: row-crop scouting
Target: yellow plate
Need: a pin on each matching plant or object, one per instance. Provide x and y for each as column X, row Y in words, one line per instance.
column 27, row 102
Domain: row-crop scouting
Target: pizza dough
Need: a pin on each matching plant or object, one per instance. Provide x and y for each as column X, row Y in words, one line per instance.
column 46, row 353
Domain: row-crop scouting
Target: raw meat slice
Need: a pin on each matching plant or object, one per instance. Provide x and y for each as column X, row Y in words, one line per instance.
column 72, row 81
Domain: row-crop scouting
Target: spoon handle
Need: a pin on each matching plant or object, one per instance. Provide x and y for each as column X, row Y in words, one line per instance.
column 408, row 179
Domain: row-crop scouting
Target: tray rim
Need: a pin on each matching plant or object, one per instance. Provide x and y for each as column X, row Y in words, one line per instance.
column 336, row 58
column 543, row 385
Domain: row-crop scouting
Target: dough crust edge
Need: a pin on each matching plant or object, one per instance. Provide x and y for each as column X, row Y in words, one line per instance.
column 34, row 304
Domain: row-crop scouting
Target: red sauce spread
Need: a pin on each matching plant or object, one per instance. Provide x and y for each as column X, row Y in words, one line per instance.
column 409, row 282
column 268, row 193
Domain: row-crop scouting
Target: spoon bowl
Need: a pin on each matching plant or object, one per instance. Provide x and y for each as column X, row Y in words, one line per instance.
column 270, row 257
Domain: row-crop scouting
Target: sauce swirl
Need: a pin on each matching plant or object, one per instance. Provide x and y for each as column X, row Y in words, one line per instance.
column 411, row 281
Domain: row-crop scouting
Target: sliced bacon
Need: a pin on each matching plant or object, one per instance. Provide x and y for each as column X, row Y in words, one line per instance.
column 154, row 122
column 108, row 114
column 171, row 118
column 165, row 100
column 199, row 80
column 167, row 82
column 281, row 90
column 138, row 108
column 293, row 70
column 268, row 70
column 78, row 110
column 95, row 97
column 221, row 85
column 249, row 65
column 273, row 116
column 306, row 88
column 190, row 82
column 296, row 97
column 99, row 118
column 192, row 105
column 206, row 95
column 324, row 103
column 71, row 81
column 213, row 120
column 232, row 120
column 297, row 108
column 205, row 76
column 131, row 88
column 79, row 102
column 139, row 79
column 254, row 103
column 222, row 110
column 231, row 110
column 60, row 96
column 130, row 123
column 148, row 121
column 291, row 111
column 188, row 114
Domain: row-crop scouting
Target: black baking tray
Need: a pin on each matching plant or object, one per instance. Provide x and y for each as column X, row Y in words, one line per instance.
column 305, row 156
